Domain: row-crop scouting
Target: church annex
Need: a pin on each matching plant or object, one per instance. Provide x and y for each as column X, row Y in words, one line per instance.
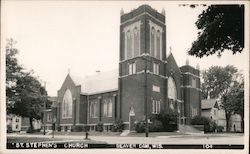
column 147, row 79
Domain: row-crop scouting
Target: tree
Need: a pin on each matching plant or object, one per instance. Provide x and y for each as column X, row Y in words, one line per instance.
column 13, row 72
column 221, row 28
column 25, row 94
column 221, row 82
column 236, row 101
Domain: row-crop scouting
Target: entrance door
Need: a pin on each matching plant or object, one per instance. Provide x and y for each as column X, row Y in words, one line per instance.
column 131, row 119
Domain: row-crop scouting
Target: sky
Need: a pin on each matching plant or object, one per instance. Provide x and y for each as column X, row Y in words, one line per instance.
column 81, row 37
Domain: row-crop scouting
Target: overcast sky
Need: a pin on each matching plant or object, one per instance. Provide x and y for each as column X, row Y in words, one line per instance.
column 55, row 36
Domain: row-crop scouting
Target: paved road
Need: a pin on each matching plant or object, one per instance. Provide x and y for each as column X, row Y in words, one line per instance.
column 178, row 139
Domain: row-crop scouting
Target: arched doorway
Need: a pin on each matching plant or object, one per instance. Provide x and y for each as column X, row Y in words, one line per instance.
column 131, row 119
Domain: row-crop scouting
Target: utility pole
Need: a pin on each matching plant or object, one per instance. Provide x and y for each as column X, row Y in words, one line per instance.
column 44, row 108
column 146, row 97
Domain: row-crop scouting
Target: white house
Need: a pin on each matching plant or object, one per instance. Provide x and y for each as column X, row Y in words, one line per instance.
column 212, row 110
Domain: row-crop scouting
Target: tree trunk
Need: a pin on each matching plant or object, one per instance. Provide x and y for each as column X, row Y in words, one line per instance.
column 227, row 122
column 31, row 125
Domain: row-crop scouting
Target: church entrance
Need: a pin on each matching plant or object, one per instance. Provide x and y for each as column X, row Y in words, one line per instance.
column 131, row 119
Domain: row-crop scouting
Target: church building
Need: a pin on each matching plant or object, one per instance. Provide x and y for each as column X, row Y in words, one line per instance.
column 147, row 81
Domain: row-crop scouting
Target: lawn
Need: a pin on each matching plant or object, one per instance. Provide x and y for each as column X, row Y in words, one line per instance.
column 13, row 139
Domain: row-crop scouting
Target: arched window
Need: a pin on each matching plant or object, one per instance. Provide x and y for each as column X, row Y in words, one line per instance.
column 172, row 93
column 107, row 108
column 158, row 44
column 152, row 42
column 129, row 44
column 110, row 108
column 67, row 104
column 155, row 40
column 136, row 42
column 132, row 40
column 94, row 108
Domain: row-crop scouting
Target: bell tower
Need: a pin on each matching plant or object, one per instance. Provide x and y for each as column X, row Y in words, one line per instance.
column 142, row 76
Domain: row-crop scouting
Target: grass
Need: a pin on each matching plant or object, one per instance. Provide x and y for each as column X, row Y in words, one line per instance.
column 12, row 139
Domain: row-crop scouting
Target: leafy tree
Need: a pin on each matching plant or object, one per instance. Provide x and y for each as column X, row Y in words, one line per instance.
column 220, row 82
column 217, row 80
column 13, row 73
column 235, row 101
column 221, row 28
column 25, row 94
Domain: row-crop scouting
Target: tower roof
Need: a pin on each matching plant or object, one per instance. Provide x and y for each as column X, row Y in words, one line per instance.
column 141, row 10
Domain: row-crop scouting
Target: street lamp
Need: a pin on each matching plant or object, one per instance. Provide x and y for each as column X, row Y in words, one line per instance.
column 53, row 126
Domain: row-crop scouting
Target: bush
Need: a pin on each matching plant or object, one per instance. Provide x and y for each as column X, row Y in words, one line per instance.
column 140, row 127
column 209, row 125
column 155, row 126
column 165, row 121
column 99, row 127
column 118, row 126
column 77, row 129
column 220, row 128
column 168, row 118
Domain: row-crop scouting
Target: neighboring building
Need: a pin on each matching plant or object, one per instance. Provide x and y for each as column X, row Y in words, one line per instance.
column 127, row 93
column 26, row 124
column 48, row 118
column 212, row 110
column 13, row 123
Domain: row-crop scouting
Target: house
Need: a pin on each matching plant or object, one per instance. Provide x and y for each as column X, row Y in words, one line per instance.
column 211, row 108
column 13, row 123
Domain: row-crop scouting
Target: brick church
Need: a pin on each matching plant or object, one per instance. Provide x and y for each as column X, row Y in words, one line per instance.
column 147, row 81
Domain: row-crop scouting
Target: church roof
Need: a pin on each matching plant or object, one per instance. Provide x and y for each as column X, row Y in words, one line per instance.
column 98, row 83
column 208, row 103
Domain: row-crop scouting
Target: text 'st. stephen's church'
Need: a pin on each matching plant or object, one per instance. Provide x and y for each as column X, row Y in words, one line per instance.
column 147, row 81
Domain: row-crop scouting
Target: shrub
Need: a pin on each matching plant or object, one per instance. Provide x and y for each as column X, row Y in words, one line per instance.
column 86, row 128
column 209, row 125
column 220, row 128
column 140, row 127
column 155, row 126
column 77, row 128
column 117, row 126
column 99, row 127
column 168, row 118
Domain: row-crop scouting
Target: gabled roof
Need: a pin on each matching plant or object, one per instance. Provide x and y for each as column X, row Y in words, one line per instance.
column 171, row 60
column 209, row 103
column 98, row 83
